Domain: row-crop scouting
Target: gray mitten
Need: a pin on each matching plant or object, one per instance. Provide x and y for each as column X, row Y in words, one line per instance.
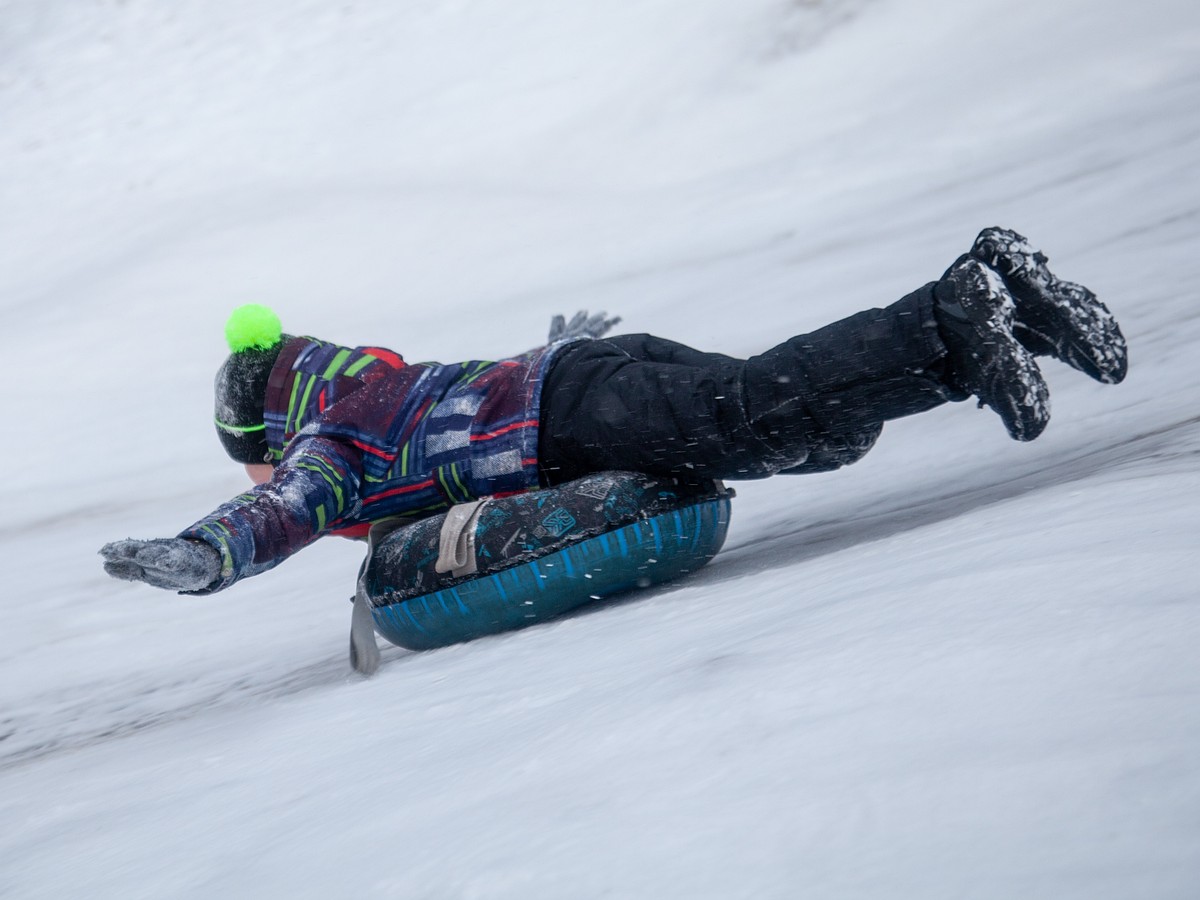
column 175, row 564
column 581, row 325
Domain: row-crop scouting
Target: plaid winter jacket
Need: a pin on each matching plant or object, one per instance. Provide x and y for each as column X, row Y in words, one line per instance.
column 358, row 435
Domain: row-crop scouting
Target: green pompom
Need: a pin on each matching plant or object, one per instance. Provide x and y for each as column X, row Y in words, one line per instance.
column 253, row 325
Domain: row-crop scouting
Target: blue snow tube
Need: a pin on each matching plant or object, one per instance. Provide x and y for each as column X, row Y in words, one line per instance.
column 541, row 554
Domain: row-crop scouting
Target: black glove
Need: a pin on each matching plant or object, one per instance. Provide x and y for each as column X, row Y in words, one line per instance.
column 175, row 564
column 582, row 325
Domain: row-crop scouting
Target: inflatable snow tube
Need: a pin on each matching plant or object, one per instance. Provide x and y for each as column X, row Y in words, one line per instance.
column 531, row 557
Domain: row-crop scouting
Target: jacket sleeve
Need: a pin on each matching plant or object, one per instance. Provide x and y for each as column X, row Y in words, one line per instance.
column 314, row 487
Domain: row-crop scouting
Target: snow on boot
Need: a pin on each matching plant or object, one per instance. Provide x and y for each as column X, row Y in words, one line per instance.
column 1054, row 318
column 975, row 314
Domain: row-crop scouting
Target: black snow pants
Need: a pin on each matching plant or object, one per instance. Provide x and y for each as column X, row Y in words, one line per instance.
column 813, row 403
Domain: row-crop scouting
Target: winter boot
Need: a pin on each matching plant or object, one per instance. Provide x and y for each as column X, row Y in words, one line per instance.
column 975, row 315
column 1054, row 318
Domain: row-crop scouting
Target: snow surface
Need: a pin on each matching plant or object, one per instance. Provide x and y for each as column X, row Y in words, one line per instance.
column 964, row 667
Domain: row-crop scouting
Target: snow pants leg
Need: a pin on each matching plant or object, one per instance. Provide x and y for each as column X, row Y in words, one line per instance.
column 813, row 403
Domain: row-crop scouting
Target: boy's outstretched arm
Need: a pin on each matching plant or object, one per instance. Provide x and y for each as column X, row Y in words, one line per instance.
column 313, row 489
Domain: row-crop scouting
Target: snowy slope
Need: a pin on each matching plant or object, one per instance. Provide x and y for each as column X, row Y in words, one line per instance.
column 964, row 667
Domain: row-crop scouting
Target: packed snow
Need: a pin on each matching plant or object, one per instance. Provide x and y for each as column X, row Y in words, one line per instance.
column 964, row 667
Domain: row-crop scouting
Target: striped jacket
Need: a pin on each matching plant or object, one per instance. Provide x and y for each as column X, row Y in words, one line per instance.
column 358, row 435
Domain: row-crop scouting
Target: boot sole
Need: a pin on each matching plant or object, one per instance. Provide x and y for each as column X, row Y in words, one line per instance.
column 1054, row 318
column 1008, row 380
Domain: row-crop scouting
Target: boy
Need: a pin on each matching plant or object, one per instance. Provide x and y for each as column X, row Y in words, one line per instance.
column 336, row 438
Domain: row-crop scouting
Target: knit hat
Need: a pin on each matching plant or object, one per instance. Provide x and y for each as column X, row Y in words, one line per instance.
column 255, row 338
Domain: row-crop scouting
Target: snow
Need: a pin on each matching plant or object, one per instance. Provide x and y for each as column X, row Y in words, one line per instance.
column 962, row 667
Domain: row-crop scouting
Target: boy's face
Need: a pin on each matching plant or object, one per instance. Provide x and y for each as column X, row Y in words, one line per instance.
column 260, row 473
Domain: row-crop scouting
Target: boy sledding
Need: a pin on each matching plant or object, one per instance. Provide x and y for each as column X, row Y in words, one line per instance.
column 338, row 438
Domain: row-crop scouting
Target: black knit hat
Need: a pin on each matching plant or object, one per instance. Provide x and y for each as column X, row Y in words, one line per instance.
column 255, row 338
